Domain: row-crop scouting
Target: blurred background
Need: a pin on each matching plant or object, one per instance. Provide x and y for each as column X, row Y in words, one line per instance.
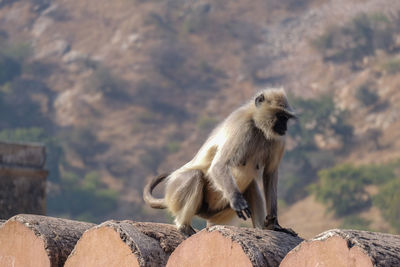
column 120, row 91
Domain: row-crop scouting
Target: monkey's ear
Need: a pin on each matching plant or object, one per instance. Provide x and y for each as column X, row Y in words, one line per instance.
column 259, row 100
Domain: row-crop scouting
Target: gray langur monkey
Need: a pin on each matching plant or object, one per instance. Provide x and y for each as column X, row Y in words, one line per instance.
column 220, row 181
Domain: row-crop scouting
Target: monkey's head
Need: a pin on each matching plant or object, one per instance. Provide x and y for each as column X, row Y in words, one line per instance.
column 272, row 112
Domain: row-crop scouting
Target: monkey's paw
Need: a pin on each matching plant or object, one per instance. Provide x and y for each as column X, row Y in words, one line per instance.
column 239, row 204
column 271, row 223
column 285, row 230
column 187, row 230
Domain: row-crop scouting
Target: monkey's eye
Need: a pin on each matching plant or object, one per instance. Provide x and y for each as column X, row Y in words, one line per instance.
column 259, row 100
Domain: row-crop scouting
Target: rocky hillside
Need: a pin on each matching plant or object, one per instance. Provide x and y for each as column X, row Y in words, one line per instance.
column 120, row 91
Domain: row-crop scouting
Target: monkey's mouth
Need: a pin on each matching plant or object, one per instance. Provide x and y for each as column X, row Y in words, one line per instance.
column 280, row 128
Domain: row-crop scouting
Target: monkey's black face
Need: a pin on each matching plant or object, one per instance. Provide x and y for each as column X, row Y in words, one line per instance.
column 280, row 126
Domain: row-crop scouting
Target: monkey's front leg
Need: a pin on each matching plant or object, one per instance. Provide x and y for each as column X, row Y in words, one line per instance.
column 224, row 181
column 270, row 182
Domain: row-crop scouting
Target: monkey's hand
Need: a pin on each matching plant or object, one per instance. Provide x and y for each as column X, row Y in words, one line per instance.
column 239, row 204
column 271, row 223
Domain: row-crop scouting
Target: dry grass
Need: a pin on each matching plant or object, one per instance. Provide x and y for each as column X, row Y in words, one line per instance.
column 308, row 218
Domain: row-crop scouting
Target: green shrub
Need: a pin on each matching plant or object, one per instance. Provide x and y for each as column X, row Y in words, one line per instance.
column 356, row 222
column 104, row 81
column 34, row 134
column 388, row 200
column 173, row 146
column 196, row 19
column 314, row 117
column 17, row 107
column 18, row 51
column 85, row 198
column 366, row 96
column 360, row 37
column 206, row 123
column 343, row 189
column 147, row 117
column 152, row 158
column 378, row 174
column 194, row 24
column 343, row 186
column 317, row 116
column 12, row 58
column 326, row 40
column 9, row 69
column 84, row 142
column 392, row 66
column 39, row 69
column 293, row 184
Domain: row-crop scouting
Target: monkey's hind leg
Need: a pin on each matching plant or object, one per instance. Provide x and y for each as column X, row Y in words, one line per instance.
column 184, row 195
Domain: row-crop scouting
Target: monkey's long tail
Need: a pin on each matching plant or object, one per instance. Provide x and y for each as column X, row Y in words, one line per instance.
column 156, row 203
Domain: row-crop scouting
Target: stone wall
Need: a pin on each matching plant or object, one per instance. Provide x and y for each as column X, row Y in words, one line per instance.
column 22, row 179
